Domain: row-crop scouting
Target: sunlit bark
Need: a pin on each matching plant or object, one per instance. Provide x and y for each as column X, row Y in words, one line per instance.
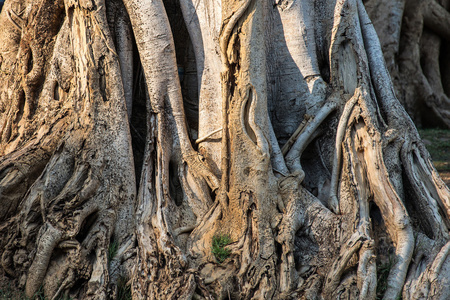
column 303, row 156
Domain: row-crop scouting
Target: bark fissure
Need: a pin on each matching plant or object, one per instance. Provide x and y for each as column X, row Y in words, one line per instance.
column 299, row 154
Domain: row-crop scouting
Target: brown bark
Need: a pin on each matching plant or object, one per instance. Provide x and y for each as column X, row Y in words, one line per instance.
column 67, row 139
column 307, row 162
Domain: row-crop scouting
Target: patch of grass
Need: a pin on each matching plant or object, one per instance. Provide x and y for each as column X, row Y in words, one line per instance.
column 218, row 247
column 382, row 274
column 64, row 297
column 382, row 280
column 123, row 289
column 6, row 292
column 437, row 142
column 39, row 295
column 112, row 250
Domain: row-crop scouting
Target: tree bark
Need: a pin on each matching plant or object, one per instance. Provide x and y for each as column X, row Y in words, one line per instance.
column 413, row 36
column 300, row 155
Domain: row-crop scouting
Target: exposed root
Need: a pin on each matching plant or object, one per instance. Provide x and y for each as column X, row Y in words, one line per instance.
column 293, row 156
column 426, row 272
column 360, row 240
column 124, row 46
column 393, row 211
column 276, row 157
column 224, row 41
column 157, row 50
column 378, row 71
column 367, row 271
column 204, row 138
column 72, row 268
column 197, row 193
column 124, row 253
column 67, row 283
column 292, row 220
column 437, row 18
column 317, row 89
column 159, row 257
column 227, row 30
column 182, row 230
column 333, row 201
column 333, row 278
column 197, row 166
column 75, row 201
column 17, row 177
column 49, row 238
column 436, row 266
column 295, row 135
column 199, row 247
column 428, row 200
column 19, row 22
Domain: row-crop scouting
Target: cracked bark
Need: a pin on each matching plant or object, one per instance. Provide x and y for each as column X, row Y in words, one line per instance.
column 302, row 155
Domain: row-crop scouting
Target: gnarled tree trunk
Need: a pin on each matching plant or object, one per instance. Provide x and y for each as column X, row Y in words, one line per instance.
column 415, row 37
column 273, row 124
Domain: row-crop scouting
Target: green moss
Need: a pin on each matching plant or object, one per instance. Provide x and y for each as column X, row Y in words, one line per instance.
column 218, row 247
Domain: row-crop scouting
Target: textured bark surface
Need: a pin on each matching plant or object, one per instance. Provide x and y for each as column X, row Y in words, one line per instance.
column 136, row 132
column 415, row 39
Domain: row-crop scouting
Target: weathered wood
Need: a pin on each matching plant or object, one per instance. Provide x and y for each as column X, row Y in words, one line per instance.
column 303, row 156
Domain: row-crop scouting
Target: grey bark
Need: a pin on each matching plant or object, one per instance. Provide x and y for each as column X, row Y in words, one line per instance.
column 412, row 36
column 300, row 153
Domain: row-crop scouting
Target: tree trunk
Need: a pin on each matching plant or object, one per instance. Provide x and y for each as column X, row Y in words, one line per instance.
column 238, row 150
column 415, row 37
